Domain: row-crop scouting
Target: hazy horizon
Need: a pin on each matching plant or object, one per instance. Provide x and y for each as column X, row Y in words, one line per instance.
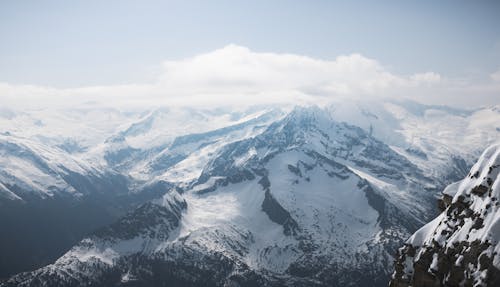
column 195, row 53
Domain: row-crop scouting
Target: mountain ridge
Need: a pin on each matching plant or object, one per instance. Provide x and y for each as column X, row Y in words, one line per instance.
column 275, row 192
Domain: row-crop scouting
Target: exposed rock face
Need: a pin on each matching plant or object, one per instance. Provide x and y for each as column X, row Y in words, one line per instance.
column 461, row 246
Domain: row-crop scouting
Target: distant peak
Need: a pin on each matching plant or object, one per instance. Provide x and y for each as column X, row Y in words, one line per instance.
column 119, row 138
column 308, row 114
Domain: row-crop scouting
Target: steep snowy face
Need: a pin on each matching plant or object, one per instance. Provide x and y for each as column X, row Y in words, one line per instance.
column 462, row 245
column 321, row 177
column 313, row 132
column 292, row 204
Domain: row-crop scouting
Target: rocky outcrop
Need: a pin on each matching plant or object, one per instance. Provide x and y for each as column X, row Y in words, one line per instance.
column 461, row 246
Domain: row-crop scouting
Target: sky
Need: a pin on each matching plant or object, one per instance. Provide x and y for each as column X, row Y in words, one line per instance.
column 439, row 52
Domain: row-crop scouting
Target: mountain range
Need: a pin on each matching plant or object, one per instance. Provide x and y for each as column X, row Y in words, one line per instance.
column 260, row 196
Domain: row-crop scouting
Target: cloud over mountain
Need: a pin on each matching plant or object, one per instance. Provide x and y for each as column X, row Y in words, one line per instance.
column 236, row 75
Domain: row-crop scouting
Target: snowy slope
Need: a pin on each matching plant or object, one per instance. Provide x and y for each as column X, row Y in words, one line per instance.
column 461, row 246
column 442, row 141
column 30, row 169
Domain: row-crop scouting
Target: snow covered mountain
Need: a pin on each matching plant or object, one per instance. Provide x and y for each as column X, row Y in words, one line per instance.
column 45, row 195
column 442, row 141
column 264, row 196
column 41, row 151
column 33, row 170
column 460, row 247
column 144, row 144
column 56, row 185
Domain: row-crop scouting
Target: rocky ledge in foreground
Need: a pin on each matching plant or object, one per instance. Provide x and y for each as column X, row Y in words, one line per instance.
column 461, row 246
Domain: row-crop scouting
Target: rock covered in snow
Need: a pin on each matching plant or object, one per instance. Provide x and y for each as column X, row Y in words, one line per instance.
column 461, row 247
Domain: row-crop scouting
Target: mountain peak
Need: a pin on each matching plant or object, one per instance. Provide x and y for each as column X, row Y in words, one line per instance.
column 116, row 139
column 307, row 115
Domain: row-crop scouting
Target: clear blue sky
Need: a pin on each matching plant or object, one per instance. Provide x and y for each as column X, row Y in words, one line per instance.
column 78, row 43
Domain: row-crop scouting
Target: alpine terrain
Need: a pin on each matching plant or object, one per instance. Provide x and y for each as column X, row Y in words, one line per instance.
column 265, row 196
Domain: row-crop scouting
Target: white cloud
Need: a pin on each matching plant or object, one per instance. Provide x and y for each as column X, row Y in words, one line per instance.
column 236, row 75
column 426, row 78
column 235, row 69
column 496, row 76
